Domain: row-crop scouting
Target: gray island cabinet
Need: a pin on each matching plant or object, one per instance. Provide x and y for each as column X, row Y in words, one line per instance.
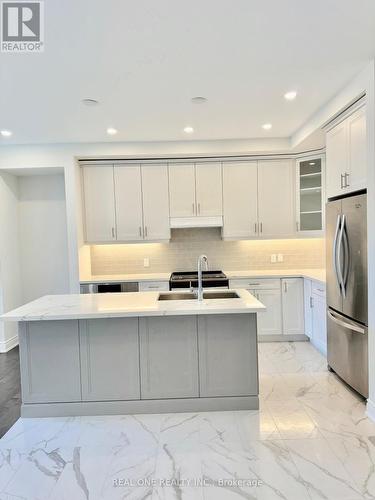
column 143, row 361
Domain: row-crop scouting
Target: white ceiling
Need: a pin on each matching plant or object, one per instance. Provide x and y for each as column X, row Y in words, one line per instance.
column 145, row 59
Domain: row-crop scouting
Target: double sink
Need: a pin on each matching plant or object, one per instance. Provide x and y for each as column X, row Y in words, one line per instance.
column 193, row 296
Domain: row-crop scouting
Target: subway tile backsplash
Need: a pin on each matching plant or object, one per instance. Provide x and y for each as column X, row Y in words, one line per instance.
column 187, row 244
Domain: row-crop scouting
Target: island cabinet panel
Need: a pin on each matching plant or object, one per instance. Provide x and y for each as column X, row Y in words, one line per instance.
column 228, row 363
column 50, row 365
column 110, row 359
column 169, row 357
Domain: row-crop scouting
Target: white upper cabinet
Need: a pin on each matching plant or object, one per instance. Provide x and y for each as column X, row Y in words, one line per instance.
column 209, row 192
column 357, row 141
column 99, row 204
column 293, row 306
column 155, row 202
column 276, row 198
column 195, row 193
column 128, row 195
column 126, row 203
column 240, row 198
column 310, row 195
column 182, row 190
column 346, row 152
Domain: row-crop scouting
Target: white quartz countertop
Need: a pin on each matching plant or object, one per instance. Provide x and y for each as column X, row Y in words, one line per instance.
column 313, row 274
column 118, row 305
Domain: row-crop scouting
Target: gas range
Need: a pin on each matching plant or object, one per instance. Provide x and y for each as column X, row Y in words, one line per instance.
column 189, row 279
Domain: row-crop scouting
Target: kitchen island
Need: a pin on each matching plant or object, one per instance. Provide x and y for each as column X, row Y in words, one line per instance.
column 138, row 353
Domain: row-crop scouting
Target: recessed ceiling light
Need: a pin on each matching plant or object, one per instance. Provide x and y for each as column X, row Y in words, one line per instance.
column 267, row 126
column 6, row 133
column 312, row 163
column 198, row 100
column 111, row 131
column 188, row 130
column 290, row 96
column 90, row 102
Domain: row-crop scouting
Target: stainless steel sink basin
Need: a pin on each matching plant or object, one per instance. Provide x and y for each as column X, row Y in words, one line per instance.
column 221, row 295
column 177, row 296
column 192, row 296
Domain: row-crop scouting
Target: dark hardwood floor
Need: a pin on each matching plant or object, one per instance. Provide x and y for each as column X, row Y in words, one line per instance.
column 10, row 389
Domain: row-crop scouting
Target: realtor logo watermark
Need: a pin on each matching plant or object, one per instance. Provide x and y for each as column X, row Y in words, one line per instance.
column 22, row 26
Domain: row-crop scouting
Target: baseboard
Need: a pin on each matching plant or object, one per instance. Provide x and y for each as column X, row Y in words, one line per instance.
column 370, row 410
column 140, row 406
column 283, row 338
column 7, row 345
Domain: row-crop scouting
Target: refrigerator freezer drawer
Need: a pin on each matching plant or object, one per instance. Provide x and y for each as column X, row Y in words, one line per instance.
column 347, row 351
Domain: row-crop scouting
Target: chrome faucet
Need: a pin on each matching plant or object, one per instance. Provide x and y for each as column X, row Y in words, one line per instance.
column 201, row 259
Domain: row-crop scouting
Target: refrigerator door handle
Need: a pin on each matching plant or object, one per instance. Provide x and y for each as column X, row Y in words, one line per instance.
column 338, row 256
column 344, row 324
column 334, row 256
column 346, row 259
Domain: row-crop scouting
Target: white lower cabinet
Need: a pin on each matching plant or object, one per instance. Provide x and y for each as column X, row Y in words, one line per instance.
column 169, row 357
column 293, row 306
column 315, row 313
column 269, row 322
column 307, row 293
column 108, row 373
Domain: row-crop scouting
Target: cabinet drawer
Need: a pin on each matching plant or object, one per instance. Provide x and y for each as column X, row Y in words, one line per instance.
column 318, row 289
column 152, row 286
column 255, row 284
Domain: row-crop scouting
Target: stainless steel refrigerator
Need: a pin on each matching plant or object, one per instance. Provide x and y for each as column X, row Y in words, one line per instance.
column 346, row 227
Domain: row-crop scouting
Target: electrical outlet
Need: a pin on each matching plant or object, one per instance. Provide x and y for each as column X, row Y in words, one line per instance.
column 273, row 258
column 280, row 257
column 146, row 262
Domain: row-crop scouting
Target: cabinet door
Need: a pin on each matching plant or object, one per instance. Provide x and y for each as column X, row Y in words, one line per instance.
column 357, row 150
column 240, row 199
column 182, row 190
column 336, row 159
column 276, row 198
column 169, row 357
column 269, row 321
column 50, row 367
column 307, row 296
column 228, row 355
column 128, row 194
column 293, row 306
column 209, row 190
column 319, row 320
column 109, row 359
column 99, row 203
column 155, row 202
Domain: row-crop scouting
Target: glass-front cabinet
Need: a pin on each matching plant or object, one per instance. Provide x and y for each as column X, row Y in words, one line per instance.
column 310, row 195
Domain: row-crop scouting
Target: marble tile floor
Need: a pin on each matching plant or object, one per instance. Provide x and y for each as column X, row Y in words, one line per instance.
column 310, row 440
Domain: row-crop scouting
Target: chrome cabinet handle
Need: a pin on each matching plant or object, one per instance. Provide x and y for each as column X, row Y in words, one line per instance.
column 199, row 208
column 113, row 232
column 255, row 228
column 344, row 324
column 297, row 226
column 347, row 177
column 285, row 287
column 342, row 181
column 311, row 302
column 140, row 231
column 261, row 227
column 146, row 231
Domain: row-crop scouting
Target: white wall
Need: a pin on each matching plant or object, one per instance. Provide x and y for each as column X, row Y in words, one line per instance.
column 43, row 236
column 10, row 276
